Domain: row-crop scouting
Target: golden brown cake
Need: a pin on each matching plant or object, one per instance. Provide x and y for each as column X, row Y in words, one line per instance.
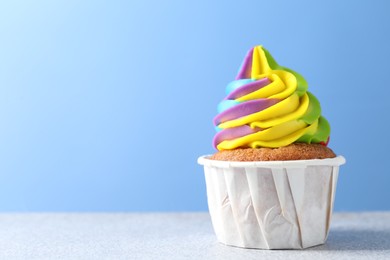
column 296, row 151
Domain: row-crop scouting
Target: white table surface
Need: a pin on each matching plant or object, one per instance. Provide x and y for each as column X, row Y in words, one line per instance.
column 172, row 236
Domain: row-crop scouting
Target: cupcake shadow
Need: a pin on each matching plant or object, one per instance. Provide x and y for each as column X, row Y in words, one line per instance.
column 354, row 240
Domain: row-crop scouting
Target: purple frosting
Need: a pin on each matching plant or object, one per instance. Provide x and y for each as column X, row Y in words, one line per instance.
column 244, row 109
column 248, row 88
column 232, row 133
column 246, row 67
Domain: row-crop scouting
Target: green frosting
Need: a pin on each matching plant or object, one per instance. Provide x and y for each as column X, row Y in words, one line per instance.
column 314, row 110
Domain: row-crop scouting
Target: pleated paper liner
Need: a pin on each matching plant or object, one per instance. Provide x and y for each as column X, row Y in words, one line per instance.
column 271, row 204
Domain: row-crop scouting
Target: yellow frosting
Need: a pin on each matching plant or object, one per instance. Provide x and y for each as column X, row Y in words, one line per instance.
column 295, row 118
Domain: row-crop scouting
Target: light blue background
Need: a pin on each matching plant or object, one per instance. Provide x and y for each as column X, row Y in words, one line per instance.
column 106, row 105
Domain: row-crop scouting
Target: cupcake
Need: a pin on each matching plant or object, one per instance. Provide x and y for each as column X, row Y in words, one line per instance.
column 271, row 184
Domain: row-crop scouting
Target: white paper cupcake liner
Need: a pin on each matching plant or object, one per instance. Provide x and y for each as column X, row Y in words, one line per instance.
column 273, row 204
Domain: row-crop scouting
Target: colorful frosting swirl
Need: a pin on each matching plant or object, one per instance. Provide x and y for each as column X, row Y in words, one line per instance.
column 268, row 106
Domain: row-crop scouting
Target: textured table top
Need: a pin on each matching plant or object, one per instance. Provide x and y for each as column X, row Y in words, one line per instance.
column 172, row 236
